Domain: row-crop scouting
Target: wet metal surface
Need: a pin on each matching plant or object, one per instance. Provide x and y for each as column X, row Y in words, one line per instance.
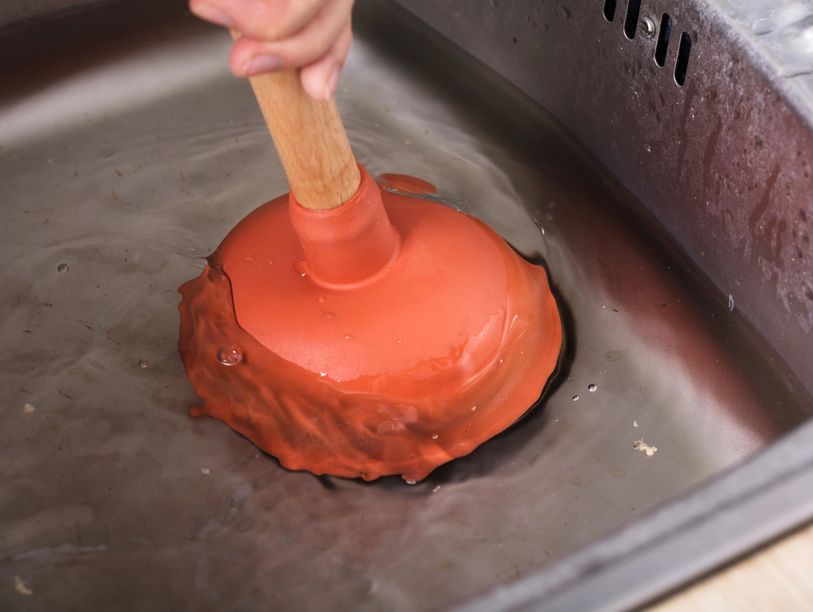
column 120, row 171
column 722, row 162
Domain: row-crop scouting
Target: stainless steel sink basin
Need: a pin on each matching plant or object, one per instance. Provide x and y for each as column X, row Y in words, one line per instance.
column 126, row 155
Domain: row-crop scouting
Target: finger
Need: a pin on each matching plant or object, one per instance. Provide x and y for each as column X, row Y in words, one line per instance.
column 260, row 19
column 319, row 79
column 249, row 56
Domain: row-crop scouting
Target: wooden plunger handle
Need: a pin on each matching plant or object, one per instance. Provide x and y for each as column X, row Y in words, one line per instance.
column 310, row 140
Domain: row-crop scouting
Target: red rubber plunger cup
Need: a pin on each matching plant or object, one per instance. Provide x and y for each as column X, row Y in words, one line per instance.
column 357, row 332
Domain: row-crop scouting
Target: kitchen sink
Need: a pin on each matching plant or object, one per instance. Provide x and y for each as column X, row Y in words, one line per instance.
column 664, row 182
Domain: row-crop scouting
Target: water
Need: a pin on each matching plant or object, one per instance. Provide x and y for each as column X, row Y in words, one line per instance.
column 230, row 355
column 301, row 268
column 786, row 29
column 134, row 192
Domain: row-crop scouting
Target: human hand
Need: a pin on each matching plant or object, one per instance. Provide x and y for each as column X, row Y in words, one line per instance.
column 311, row 35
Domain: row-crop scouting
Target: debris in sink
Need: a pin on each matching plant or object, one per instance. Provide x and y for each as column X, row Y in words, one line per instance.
column 436, row 489
column 63, row 267
column 731, row 302
column 21, row 587
column 205, row 471
column 143, row 364
column 575, row 398
column 645, row 448
column 635, row 424
column 28, row 408
column 592, row 387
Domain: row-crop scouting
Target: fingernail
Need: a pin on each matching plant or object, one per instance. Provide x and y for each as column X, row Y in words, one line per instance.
column 212, row 14
column 330, row 82
column 261, row 63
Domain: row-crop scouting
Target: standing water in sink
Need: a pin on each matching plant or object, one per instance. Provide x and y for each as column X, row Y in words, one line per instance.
column 130, row 170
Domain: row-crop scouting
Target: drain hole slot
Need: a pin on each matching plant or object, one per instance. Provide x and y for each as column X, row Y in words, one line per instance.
column 631, row 22
column 682, row 63
column 609, row 9
column 663, row 40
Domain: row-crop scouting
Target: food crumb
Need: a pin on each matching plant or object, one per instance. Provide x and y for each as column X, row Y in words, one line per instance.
column 205, row 471
column 644, row 447
column 635, row 424
column 28, row 408
column 21, row 587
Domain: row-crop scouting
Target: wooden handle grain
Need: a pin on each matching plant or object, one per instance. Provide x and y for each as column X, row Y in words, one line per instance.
column 310, row 140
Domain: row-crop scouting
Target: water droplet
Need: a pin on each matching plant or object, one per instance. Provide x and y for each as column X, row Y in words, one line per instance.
column 501, row 360
column 230, row 355
column 328, row 315
column 347, row 337
column 408, row 481
column 301, row 268
column 436, row 489
column 763, row 26
column 63, row 267
column 474, row 408
column 390, row 426
column 731, row 303
column 575, row 398
column 399, row 341
column 322, row 374
column 143, row 364
column 321, row 299
column 269, row 262
column 648, row 148
column 249, row 259
column 434, row 436
column 592, row 387
column 549, row 216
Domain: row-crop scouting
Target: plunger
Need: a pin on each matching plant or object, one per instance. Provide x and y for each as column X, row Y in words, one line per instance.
column 357, row 331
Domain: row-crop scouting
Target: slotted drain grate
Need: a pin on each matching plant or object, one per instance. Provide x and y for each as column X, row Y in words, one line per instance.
column 632, row 19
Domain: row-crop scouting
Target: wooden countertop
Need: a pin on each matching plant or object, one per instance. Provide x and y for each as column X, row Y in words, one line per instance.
column 777, row 577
